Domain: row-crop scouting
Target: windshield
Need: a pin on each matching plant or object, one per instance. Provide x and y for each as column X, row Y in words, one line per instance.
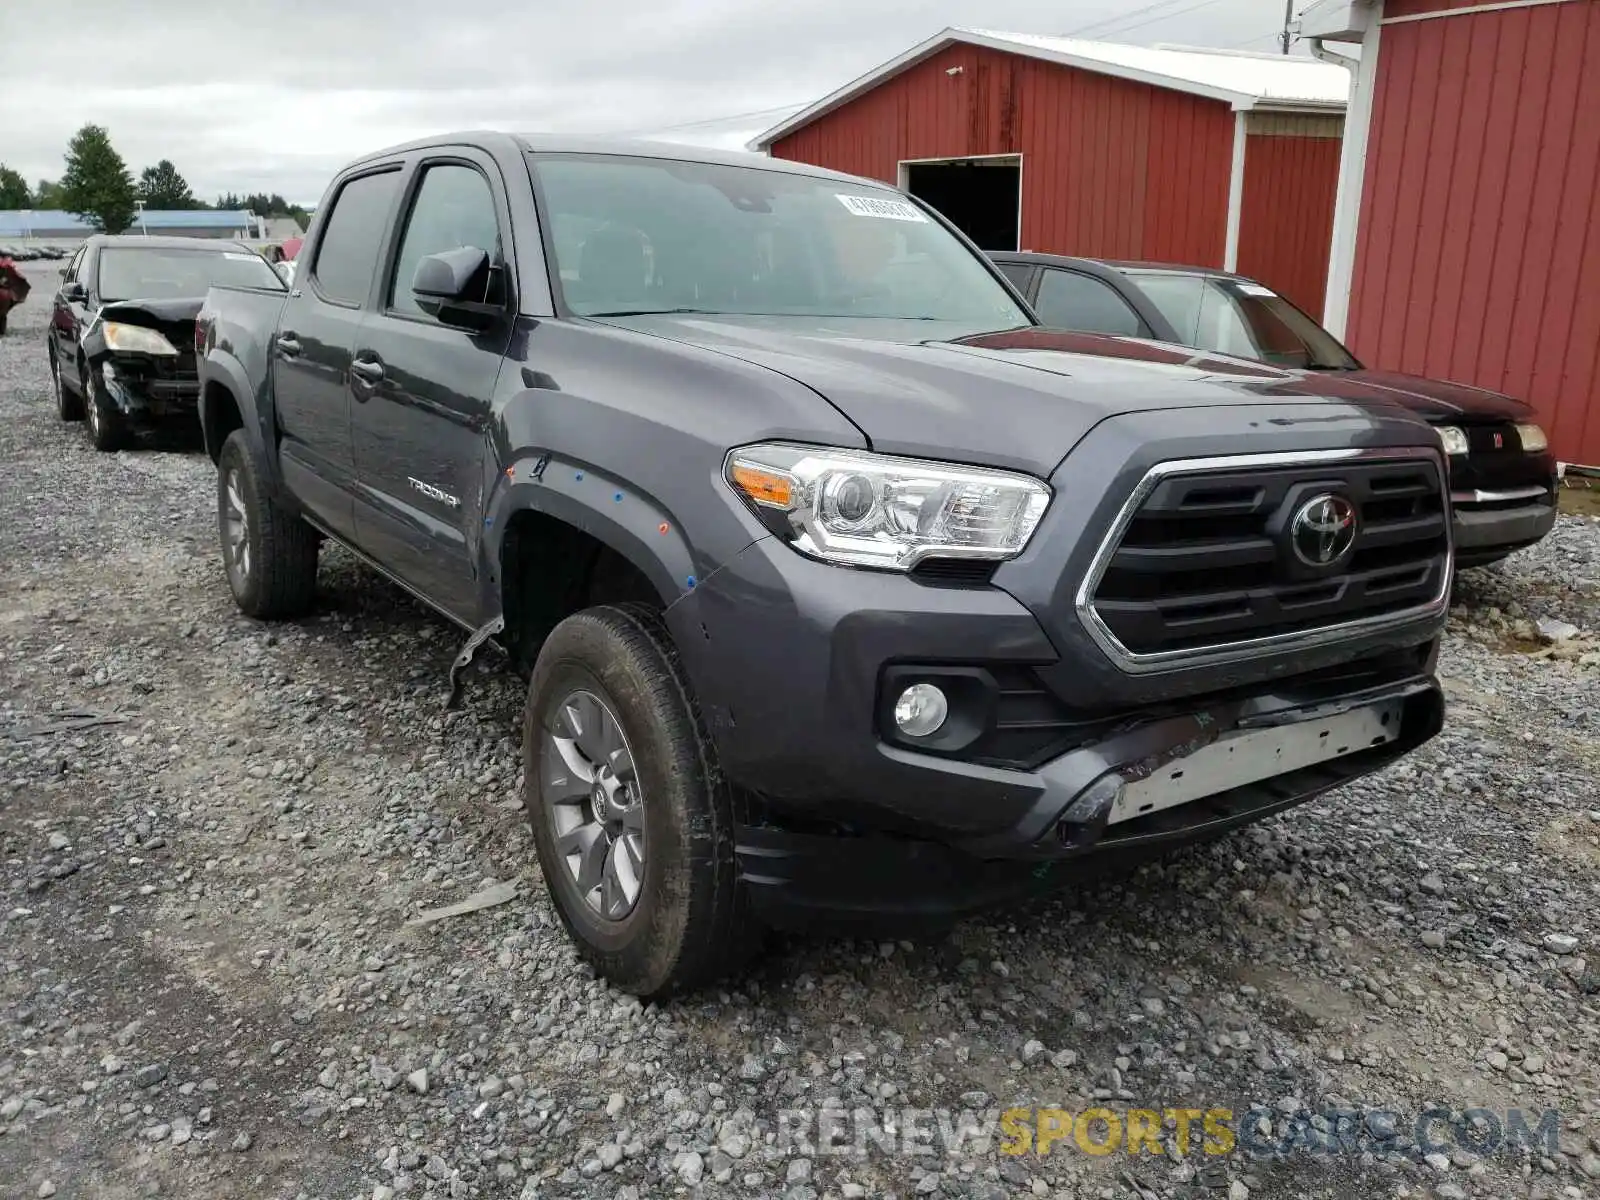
column 654, row 235
column 1243, row 319
column 167, row 273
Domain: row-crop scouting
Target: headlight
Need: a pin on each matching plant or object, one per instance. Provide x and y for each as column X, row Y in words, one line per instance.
column 135, row 339
column 1454, row 439
column 1532, row 438
column 870, row 510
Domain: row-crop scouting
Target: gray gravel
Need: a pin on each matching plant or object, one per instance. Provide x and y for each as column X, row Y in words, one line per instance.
column 209, row 986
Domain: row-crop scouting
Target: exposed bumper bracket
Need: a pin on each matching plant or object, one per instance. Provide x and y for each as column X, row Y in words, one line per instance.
column 464, row 658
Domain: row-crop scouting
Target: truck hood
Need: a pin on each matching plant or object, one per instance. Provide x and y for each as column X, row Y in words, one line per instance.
column 1434, row 400
column 1019, row 398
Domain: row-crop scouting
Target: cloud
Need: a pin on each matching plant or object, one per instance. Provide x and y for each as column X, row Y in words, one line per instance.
column 277, row 97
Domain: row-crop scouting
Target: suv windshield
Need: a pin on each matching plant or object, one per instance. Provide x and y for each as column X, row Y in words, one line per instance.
column 1241, row 318
column 170, row 273
column 633, row 235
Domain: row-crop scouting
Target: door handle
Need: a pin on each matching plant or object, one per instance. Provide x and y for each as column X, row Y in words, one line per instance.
column 371, row 372
column 288, row 345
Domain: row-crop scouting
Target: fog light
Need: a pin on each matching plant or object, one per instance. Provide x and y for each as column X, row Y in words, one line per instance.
column 921, row 710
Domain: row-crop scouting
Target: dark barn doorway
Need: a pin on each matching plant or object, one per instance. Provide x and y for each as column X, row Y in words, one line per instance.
column 979, row 196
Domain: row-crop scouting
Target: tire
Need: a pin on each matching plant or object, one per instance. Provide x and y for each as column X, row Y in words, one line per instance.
column 689, row 922
column 69, row 405
column 108, row 429
column 268, row 554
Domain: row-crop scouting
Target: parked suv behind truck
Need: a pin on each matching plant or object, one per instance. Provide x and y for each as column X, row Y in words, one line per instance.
column 842, row 589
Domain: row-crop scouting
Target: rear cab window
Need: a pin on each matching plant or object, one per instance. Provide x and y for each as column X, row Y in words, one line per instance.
column 347, row 250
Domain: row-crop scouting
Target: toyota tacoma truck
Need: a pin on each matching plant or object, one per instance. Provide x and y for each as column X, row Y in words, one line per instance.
column 844, row 591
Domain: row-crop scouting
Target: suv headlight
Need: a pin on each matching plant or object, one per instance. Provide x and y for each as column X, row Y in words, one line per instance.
column 1454, row 439
column 135, row 339
column 871, row 510
column 1532, row 438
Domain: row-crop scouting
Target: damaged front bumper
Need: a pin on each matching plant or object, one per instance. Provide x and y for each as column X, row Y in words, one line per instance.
column 148, row 388
column 1157, row 784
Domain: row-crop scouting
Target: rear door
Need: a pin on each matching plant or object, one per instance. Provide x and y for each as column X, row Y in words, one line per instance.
column 310, row 354
column 422, row 388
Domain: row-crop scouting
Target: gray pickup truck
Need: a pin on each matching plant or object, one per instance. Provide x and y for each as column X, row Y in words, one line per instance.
column 844, row 590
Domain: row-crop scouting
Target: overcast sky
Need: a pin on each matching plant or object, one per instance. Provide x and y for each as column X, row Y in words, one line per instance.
column 274, row 96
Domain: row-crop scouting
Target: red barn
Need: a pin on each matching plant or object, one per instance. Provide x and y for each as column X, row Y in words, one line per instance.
column 1213, row 158
column 1467, row 241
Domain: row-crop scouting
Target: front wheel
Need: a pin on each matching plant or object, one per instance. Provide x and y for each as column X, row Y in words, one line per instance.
column 631, row 816
column 268, row 553
column 108, row 428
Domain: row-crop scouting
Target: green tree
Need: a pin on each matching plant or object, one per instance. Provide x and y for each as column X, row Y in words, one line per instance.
column 161, row 186
column 13, row 189
column 96, row 184
column 47, row 195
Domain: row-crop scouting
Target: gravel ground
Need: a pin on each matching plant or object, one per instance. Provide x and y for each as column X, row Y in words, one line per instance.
column 210, row 984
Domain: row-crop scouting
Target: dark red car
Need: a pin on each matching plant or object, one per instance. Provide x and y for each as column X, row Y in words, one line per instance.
column 1503, row 477
column 14, row 287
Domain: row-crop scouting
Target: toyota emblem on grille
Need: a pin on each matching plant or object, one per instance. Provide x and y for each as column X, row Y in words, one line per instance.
column 1322, row 530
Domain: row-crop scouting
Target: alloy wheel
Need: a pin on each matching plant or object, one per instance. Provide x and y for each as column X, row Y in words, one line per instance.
column 236, row 527
column 596, row 806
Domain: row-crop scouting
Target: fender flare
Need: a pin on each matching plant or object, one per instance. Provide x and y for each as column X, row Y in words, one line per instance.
column 225, row 371
column 633, row 524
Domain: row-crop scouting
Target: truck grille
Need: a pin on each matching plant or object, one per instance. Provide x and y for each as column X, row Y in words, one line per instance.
column 1259, row 552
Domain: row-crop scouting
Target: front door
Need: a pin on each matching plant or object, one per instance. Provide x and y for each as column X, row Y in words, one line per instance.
column 310, row 353
column 422, row 391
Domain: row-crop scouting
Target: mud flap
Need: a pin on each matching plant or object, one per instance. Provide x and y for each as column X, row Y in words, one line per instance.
column 464, row 659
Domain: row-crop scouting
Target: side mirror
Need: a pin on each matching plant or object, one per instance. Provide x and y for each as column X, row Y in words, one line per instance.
column 453, row 286
column 75, row 293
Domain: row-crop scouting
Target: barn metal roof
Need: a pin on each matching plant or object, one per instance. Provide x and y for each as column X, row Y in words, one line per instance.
column 1242, row 80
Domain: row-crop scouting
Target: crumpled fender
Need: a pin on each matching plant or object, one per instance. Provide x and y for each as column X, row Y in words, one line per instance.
column 610, row 509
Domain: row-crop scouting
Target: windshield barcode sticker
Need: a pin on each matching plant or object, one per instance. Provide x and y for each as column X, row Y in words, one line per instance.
column 241, row 257
column 883, row 207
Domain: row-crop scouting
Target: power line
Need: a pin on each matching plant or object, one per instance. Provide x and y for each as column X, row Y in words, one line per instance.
column 1117, row 17
column 776, row 111
column 1161, row 17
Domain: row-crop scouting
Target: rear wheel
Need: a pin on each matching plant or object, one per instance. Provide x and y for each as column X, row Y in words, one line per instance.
column 631, row 816
column 269, row 553
column 69, row 405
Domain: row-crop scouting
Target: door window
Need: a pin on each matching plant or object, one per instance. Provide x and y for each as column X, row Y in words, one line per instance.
column 1073, row 300
column 454, row 208
column 1017, row 273
column 348, row 249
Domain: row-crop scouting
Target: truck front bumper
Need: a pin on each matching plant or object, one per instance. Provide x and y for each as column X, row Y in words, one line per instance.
column 797, row 665
column 1080, row 821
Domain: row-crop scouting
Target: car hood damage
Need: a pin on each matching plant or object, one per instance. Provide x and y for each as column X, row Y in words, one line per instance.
column 1017, row 398
column 173, row 319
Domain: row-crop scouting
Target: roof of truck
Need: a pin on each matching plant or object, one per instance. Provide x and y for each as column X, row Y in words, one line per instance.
column 557, row 143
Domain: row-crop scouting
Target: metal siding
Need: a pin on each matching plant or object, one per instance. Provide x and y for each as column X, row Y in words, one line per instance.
column 1479, row 255
column 1110, row 167
column 1287, row 218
